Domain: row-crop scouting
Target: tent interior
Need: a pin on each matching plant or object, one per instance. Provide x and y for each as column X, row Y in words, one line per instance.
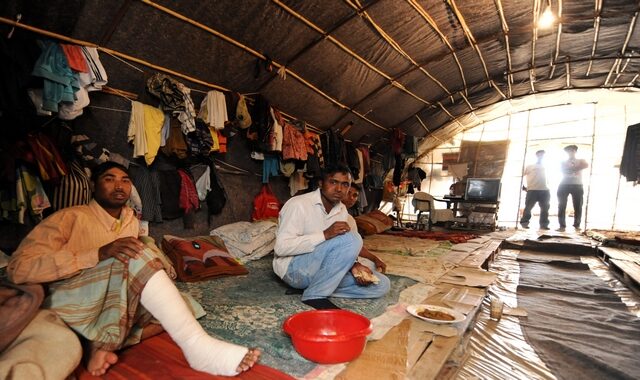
column 456, row 90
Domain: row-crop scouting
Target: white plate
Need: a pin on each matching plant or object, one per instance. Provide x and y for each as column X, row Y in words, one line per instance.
column 415, row 309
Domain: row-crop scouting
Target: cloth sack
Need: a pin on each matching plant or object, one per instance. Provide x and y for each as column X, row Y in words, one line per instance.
column 265, row 205
column 201, row 257
column 374, row 222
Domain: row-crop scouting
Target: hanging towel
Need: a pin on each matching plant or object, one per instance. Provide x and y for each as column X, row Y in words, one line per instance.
column 213, row 110
column 135, row 133
column 97, row 76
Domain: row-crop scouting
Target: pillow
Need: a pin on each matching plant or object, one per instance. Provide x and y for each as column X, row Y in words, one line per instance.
column 373, row 222
column 201, row 257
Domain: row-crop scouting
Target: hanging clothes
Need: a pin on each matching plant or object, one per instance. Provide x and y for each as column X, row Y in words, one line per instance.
column 258, row 132
column 50, row 163
column 270, row 166
column 213, row 110
column 203, row 184
column 334, row 148
column 145, row 135
column 276, row 134
column 176, row 144
column 294, row 145
column 96, row 77
column 200, row 141
column 31, row 195
column 630, row 164
column 353, row 161
column 75, row 58
column 175, row 98
column 73, row 190
column 148, row 184
column 397, row 141
column 410, row 147
column 189, row 200
column 60, row 82
column 315, row 158
column 361, row 172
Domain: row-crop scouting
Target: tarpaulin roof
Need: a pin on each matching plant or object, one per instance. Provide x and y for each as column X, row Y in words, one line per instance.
column 379, row 64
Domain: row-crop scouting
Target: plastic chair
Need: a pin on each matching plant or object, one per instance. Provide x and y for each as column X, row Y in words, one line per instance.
column 425, row 204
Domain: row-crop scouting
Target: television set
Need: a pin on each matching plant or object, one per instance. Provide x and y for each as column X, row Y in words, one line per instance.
column 482, row 189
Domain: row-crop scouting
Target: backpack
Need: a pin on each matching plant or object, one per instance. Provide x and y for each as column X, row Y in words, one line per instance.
column 265, row 204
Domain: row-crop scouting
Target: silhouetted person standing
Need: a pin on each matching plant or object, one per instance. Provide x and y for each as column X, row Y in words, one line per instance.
column 537, row 192
column 571, row 184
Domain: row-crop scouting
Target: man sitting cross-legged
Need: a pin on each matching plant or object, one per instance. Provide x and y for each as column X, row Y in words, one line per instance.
column 316, row 248
column 107, row 286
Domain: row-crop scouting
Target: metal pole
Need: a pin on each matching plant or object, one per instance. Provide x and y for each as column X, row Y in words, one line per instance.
column 615, row 206
column 593, row 141
column 524, row 157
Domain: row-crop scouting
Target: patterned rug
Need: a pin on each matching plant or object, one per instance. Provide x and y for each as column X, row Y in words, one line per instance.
column 250, row 310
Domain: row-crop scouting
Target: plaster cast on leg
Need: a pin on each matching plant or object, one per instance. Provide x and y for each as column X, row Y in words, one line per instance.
column 203, row 352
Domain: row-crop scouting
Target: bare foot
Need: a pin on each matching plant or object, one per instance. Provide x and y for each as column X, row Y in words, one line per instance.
column 100, row 361
column 251, row 358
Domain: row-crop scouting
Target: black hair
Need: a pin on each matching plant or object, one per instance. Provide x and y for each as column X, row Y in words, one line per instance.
column 333, row 169
column 103, row 167
column 356, row 186
column 571, row 147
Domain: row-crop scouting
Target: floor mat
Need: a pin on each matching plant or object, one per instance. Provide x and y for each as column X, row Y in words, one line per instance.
column 576, row 323
column 249, row 310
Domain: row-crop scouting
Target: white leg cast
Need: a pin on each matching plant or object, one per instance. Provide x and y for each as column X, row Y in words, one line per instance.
column 203, row 352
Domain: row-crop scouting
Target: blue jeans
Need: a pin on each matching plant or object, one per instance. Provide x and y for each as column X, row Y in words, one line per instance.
column 326, row 272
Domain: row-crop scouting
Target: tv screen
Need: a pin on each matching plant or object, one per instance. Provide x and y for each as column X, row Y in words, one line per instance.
column 482, row 189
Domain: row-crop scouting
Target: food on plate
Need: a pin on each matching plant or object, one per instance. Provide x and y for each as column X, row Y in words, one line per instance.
column 435, row 314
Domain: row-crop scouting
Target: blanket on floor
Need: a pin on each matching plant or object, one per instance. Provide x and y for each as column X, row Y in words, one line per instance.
column 250, row 310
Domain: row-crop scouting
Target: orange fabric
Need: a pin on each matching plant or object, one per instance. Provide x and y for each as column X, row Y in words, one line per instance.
column 75, row 58
column 294, row 145
column 160, row 358
column 222, row 142
column 67, row 242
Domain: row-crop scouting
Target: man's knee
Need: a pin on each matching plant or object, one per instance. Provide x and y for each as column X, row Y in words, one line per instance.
column 381, row 287
column 349, row 243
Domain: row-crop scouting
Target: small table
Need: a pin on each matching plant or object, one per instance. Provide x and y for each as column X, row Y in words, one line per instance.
column 478, row 206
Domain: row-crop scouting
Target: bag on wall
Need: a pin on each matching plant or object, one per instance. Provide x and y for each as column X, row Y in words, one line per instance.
column 265, row 205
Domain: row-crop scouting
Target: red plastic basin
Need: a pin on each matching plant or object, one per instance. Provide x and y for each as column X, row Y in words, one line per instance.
column 328, row 336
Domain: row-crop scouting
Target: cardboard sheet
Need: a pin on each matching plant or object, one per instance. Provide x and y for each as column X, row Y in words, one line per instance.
column 469, row 277
column 384, row 359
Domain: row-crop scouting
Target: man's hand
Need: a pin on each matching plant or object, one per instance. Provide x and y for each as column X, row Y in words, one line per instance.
column 122, row 249
column 380, row 265
column 362, row 274
column 337, row 228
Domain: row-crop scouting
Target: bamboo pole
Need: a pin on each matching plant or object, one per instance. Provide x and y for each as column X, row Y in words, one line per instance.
column 593, row 147
column 557, row 47
column 431, row 22
column 346, row 49
column 524, row 157
column 260, row 56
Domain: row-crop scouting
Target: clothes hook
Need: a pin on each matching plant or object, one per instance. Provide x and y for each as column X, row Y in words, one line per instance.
column 18, row 18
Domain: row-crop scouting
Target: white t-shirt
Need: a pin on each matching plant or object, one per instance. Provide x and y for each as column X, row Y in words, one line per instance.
column 536, row 177
column 573, row 176
column 302, row 222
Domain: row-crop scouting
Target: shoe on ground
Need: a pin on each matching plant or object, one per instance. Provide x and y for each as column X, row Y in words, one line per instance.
column 524, row 225
column 544, row 228
column 561, row 229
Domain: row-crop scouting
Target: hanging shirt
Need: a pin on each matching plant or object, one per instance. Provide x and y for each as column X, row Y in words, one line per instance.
column 213, row 110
